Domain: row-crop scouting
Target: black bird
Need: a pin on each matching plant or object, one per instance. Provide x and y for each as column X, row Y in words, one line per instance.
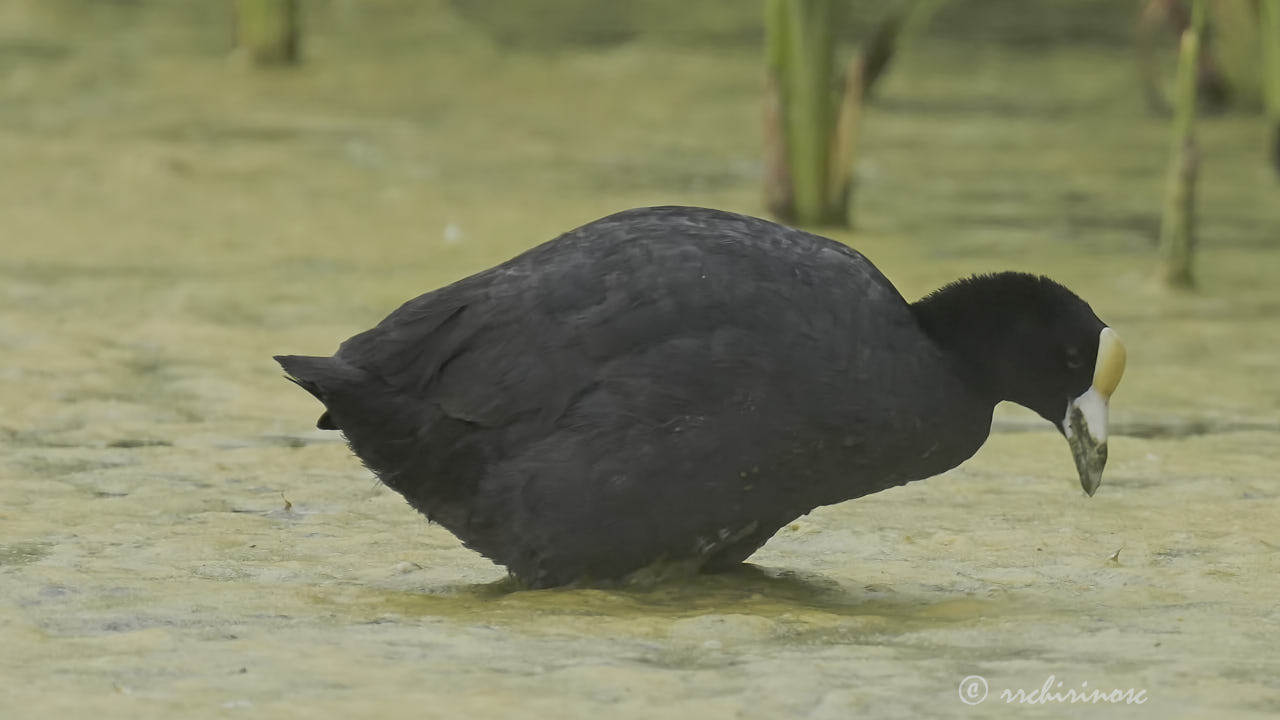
column 661, row 390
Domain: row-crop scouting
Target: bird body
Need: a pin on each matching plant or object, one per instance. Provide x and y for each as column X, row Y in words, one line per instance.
column 662, row 388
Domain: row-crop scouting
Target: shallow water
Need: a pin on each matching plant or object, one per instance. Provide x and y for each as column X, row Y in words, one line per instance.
column 175, row 539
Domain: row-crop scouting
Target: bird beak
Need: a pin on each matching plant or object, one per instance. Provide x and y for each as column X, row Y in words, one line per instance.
column 1086, row 422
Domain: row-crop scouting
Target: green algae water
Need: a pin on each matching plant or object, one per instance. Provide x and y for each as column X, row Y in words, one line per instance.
column 177, row 541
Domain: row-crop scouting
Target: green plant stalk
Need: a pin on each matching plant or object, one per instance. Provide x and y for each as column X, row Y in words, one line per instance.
column 775, row 25
column 844, row 141
column 811, row 126
column 860, row 76
column 1269, row 12
column 267, row 31
column 1177, row 227
column 777, row 173
column 890, row 34
column 807, row 82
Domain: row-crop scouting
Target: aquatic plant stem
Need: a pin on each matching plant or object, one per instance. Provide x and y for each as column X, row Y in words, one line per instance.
column 844, row 141
column 1177, row 227
column 777, row 180
column 807, row 83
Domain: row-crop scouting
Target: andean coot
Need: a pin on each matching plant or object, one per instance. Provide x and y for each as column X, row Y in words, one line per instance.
column 661, row 390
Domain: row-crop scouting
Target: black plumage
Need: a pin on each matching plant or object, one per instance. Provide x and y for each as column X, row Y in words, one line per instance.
column 667, row 387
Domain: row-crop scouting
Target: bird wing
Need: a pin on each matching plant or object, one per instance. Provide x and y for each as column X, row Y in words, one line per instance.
column 685, row 306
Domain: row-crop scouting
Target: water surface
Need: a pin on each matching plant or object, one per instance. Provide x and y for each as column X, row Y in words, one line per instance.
column 175, row 539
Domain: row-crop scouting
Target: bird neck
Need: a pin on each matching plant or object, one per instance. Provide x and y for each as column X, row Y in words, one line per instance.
column 974, row 329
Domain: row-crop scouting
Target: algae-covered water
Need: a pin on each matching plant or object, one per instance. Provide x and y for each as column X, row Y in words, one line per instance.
column 176, row 541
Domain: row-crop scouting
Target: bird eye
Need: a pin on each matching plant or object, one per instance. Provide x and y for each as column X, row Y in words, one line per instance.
column 1074, row 362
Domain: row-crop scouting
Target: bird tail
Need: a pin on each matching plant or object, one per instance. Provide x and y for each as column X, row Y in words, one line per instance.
column 320, row 376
